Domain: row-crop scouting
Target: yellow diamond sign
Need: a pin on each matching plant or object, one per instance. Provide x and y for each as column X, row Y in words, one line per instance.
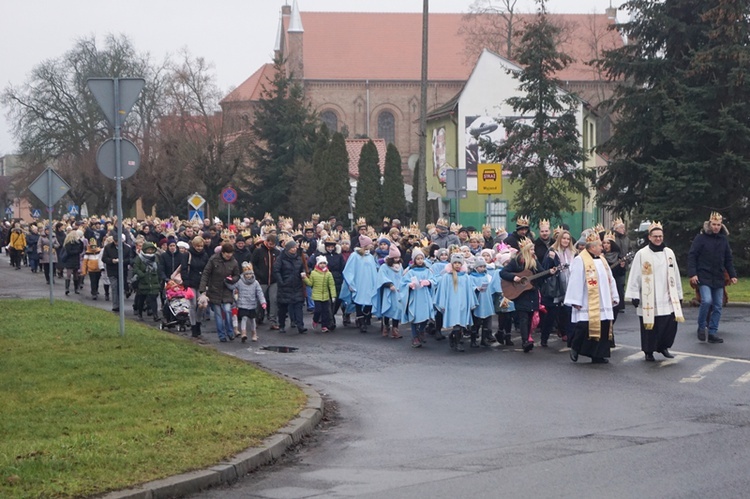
column 196, row 201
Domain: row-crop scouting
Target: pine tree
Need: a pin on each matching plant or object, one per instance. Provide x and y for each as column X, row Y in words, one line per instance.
column 335, row 187
column 394, row 199
column 681, row 146
column 368, row 200
column 284, row 129
column 542, row 149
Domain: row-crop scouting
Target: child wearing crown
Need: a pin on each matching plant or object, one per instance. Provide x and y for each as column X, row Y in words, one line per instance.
column 249, row 297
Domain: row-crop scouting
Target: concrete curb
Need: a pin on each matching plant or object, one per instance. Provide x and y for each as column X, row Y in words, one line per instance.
column 229, row 471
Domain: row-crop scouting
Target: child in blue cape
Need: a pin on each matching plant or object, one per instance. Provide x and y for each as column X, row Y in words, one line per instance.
column 386, row 302
column 360, row 279
column 416, row 288
column 482, row 314
column 455, row 299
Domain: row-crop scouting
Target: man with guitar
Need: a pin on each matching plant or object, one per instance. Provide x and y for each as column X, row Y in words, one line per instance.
column 519, row 284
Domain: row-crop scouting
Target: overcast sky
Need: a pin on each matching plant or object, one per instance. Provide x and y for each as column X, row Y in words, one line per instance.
column 237, row 36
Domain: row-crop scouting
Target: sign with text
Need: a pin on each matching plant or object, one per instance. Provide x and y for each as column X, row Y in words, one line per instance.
column 489, row 178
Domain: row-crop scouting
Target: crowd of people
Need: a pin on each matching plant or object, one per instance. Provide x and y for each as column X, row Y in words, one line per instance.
column 443, row 278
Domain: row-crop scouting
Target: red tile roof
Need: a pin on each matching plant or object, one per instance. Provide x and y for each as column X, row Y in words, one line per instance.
column 252, row 88
column 354, row 148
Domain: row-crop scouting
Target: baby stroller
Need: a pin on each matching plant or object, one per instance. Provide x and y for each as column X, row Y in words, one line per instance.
column 176, row 313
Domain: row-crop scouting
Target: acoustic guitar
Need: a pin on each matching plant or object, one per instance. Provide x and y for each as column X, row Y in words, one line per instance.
column 512, row 290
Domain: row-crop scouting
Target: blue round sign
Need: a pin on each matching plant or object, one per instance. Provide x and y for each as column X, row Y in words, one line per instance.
column 229, row 195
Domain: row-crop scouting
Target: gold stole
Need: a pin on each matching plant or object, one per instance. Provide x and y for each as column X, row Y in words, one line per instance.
column 647, row 287
column 592, row 287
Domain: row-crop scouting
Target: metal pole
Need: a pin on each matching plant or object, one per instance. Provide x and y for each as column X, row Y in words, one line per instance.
column 229, row 210
column 118, row 180
column 49, row 237
column 422, row 179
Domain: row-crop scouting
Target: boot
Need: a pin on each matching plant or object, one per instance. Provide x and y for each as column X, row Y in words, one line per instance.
column 459, row 340
column 452, row 340
column 195, row 330
column 486, row 338
column 67, row 287
column 347, row 320
column 439, row 335
column 384, row 329
column 361, row 324
column 106, row 292
column 76, row 285
column 508, row 341
column 395, row 334
column 474, row 343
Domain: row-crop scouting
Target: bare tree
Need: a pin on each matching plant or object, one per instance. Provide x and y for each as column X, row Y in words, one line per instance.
column 489, row 24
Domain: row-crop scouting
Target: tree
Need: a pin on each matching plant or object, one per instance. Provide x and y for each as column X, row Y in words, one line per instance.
column 335, row 187
column 491, row 25
column 56, row 119
column 542, row 148
column 681, row 146
column 283, row 129
column 394, row 200
column 307, row 186
column 368, row 200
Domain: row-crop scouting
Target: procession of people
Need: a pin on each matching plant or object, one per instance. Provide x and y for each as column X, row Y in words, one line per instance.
column 443, row 278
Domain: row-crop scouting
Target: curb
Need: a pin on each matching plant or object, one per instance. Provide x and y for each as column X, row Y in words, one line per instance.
column 229, row 471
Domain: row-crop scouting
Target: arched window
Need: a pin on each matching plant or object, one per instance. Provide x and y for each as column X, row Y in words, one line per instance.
column 330, row 120
column 387, row 127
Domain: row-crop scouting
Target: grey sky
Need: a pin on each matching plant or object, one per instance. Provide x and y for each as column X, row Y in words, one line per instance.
column 237, row 36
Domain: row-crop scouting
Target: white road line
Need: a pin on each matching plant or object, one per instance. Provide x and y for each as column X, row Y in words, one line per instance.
column 698, row 355
column 703, row 371
column 742, row 379
column 635, row 356
column 669, row 362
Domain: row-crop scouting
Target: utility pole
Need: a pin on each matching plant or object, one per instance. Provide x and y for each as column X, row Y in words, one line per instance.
column 422, row 165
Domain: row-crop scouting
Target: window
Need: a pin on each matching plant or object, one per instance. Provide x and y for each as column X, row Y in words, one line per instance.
column 387, row 127
column 330, row 120
column 497, row 213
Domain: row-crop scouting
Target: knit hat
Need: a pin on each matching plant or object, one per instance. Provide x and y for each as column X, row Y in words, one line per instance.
column 477, row 262
column 290, row 244
column 384, row 240
column 394, row 252
column 183, row 245
column 441, row 252
column 457, row 257
column 364, row 241
column 415, row 253
column 487, row 251
column 321, row 259
column 162, row 241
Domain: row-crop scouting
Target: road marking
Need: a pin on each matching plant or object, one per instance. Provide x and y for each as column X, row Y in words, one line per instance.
column 742, row 379
column 668, row 362
column 699, row 355
column 703, row 371
column 635, row 356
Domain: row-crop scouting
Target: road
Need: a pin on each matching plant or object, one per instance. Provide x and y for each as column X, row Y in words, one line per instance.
column 415, row 423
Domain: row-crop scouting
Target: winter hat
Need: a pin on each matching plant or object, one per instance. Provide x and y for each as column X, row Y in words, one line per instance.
column 394, row 252
column 290, row 244
column 384, row 240
column 487, row 251
column 162, row 241
column 477, row 262
column 415, row 253
column 247, row 266
column 321, row 259
column 364, row 241
column 457, row 257
column 183, row 245
column 148, row 247
column 441, row 252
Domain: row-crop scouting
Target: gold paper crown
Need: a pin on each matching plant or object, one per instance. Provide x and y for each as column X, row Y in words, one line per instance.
column 308, row 225
column 382, row 236
column 592, row 236
column 331, row 238
column 716, row 217
column 297, row 233
column 304, row 245
column 345, row 236
column 616, row 222
column 599, row 228
column 442, row 221
column 486, row 227
column 386, row 220
column 522, row 221
column 225, row 234
column 270, row 228
column 424, row 242
column 544, row 223
column 315, row 216
column 247, row 233
column 267, row 216
column 257, row 239
column 429, row 227
column 657, row 225
column 500, row 230
column 414, row 230
column 371, row 232
column 476, row 235
column 557, row 231
column 609, row 236
column 361, row 222
column 456, row 227
column 524, row 242
column 236, row 222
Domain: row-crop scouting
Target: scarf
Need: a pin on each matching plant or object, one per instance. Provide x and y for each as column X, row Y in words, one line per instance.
column 592, row 286
column 647, row 285
column 149, row 260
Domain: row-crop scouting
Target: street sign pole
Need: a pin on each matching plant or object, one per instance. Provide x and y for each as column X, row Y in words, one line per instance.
column 51, row 265
column 118, row 180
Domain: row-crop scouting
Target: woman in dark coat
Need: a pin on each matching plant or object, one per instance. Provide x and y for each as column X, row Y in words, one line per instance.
column 291, row 294
column 72, row 250
column 191, row 272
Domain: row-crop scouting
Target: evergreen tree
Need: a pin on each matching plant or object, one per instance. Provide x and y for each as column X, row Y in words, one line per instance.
column 681, row 146
column 368, row 200
column 394, row 199
column 284, row 129
column 542, row 149
column 335, row 187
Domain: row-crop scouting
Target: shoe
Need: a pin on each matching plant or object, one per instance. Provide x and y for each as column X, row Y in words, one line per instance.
column 282, row 331
column 274, row 327
column 231, row 337
column 650, row 357
column 714, row 338
column 528, row 346
column 384, row 331
column 156, row 317
column 666, row 353
column 439, row 336
column 473, row 343
column 599, row 360
column 93, row 297
column 223, row 340
column 67, row 292
column 415, row 343
column 395, row 334
column 459, row 345
column 255, row 337
column 244, row 338
column 452, row 341
column 701, row 334
column 508, row 341
column 498, row 337
column 573, row 355
column 324, row 330
column 315, row 326
column 115, row 310
column 302, row 330
column 544, row 344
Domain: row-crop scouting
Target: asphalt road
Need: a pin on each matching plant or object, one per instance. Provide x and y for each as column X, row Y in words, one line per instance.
column 415, row 423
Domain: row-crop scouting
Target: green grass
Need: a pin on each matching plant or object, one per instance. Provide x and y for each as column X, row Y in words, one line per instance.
column 738, row 293
column 84, row 411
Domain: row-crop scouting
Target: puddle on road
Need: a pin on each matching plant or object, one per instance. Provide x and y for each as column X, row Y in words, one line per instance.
column 281, row 349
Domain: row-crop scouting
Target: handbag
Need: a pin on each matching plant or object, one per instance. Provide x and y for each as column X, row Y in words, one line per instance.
column 551, row 286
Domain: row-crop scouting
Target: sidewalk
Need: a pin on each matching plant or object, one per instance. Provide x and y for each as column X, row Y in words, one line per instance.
column 23, row 284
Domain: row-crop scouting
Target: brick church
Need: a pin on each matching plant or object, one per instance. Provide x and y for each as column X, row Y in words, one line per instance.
column 361, row 71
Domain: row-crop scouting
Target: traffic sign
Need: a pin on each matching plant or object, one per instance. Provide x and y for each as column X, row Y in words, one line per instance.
column 195, row 216
column 196, row 201
column 9, row 211
column 489, row 178
column 229, row 195
column 130, row 159
column 74, row 210
column 49, row 187
column 36, row 213
column 455, row 183
column 103, row 90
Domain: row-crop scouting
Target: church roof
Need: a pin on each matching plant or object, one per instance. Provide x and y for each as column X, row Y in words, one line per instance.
column 252, row 88
column 354, row 148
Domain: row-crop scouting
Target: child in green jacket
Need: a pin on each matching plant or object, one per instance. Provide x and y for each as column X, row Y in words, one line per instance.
column 323, row 292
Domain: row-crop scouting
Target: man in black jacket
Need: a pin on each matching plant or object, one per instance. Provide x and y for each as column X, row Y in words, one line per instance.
column 264, row 256
column 708, row 258
column 110, row 259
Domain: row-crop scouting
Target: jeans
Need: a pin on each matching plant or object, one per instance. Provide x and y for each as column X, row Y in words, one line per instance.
column 223, row 317
column 710, row 296
column 269, row 292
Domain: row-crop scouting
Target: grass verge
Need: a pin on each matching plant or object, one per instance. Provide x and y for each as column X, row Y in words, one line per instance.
column 738, row 293
column 86, row 411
